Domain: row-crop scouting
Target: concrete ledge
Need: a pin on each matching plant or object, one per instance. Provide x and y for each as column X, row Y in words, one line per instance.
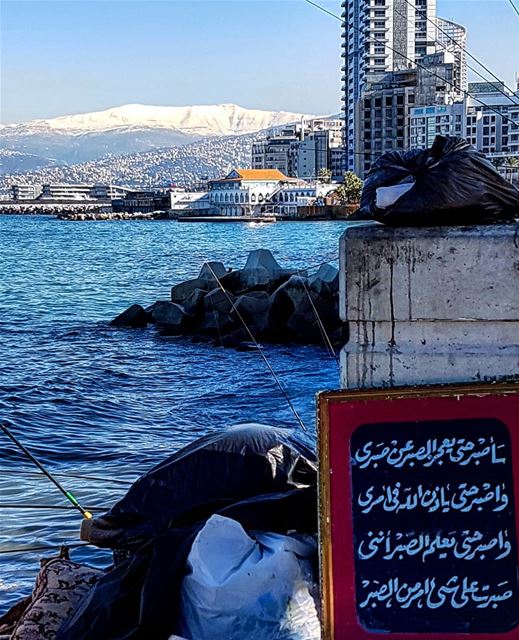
column 428, row 305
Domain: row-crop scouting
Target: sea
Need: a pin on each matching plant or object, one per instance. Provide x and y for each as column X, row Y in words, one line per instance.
column 100, row 406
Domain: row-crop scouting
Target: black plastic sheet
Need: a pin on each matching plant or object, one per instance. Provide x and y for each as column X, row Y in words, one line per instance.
column 263, row 477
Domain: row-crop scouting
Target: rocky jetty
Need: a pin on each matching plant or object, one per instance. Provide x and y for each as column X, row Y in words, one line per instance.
column 262, row 300
column 112, row 215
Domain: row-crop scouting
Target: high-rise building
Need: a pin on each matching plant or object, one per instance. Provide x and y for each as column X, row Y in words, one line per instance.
column 382, row 37
column 302, row 150
column 453, row 38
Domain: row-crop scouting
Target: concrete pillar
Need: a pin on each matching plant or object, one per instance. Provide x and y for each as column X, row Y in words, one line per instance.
column 429, row 305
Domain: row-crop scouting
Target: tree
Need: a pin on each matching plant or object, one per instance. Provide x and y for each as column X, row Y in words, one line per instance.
column 349, row 192
column 325, row 175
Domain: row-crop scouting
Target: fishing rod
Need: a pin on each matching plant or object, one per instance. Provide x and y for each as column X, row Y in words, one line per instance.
column 86, row 514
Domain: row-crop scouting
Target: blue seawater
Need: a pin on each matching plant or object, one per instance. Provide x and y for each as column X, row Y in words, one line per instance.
column 90, row 400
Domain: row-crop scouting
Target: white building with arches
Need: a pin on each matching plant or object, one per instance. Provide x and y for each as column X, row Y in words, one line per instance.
column 246, row 192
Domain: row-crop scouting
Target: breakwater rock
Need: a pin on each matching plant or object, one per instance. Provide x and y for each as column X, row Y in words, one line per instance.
column 262, row 301
column 111, row 215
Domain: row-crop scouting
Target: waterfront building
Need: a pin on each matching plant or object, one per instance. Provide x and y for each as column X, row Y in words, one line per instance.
column 291, row 198
column 302, row 150
column 381, row 37
column 142, row 202
column 245, row 191
column 265, row 192
column 190, row 203
column 25, row 191
column 66, row 191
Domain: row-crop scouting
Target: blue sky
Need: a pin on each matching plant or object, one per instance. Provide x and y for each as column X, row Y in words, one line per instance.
column 75, row 56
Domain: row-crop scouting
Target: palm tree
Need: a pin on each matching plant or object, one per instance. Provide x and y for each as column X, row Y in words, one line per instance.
column 512, row 167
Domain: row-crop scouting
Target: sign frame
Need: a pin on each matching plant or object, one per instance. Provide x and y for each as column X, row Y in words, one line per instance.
column 325, row 401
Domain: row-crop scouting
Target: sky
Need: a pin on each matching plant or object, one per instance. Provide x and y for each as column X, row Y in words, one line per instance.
column 76, row 56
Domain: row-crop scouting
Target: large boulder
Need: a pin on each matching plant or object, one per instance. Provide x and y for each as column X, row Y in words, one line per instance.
column 134, row 317
column 211, row 269
column 169, row 315
column 218, row 300
column 326, row 280
column 182, row 291
column 205, row 281
column 294, row 309
column 283, row 303
column 311, row 319
column 262, row 270
column 194, row 305
column 219, row 317
column 254, row 308
column 233, row 282
column 262, row 259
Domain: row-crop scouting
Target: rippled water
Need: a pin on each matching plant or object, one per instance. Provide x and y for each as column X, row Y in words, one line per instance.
column 89, row 400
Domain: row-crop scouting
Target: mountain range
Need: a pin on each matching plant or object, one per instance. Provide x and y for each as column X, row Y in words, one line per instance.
column 132, row 128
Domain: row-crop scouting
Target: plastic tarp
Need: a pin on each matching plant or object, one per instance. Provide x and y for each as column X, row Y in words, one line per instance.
column 453, row 184
column 213, row 472
column 249, row 586
column 263, row 477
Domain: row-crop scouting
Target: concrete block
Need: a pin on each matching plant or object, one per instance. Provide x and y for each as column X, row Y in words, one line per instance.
column 429, row 305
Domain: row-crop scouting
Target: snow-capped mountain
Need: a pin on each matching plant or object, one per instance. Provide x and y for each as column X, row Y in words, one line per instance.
column 134, row 128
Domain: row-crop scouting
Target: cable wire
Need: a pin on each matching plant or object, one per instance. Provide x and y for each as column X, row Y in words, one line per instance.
column 423, row 14
column 514, row 7
column 465, row 50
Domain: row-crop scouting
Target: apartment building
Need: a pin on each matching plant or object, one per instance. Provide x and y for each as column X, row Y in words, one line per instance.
column 303, row 150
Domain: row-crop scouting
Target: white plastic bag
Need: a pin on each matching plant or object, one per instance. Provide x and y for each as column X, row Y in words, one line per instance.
column 386, row 196
column 239, row 588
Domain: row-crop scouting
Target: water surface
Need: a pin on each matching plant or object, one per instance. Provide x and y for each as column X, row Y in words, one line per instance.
column 90, row 400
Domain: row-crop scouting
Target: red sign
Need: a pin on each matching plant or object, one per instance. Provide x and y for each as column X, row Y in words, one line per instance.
column 419, row 492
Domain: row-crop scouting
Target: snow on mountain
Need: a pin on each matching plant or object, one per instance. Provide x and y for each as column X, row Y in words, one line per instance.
column 134, row 128
column 203, row 120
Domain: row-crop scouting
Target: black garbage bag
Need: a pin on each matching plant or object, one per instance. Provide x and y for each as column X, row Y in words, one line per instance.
column 213, row 472
column 261, row 476
column 140, row 598
column 453, row 184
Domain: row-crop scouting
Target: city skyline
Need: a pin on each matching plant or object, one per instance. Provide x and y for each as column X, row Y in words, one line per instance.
column 73, row 57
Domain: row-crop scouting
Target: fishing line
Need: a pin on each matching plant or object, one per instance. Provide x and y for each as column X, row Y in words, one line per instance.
column 324, row 334
column 46, row 548
column 260, row 351
column 15, row 505
column 126, row 483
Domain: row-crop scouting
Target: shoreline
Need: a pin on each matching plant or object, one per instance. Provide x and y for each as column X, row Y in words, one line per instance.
column 101, row 216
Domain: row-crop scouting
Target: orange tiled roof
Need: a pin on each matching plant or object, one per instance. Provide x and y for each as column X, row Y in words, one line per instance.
column 261, row 174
